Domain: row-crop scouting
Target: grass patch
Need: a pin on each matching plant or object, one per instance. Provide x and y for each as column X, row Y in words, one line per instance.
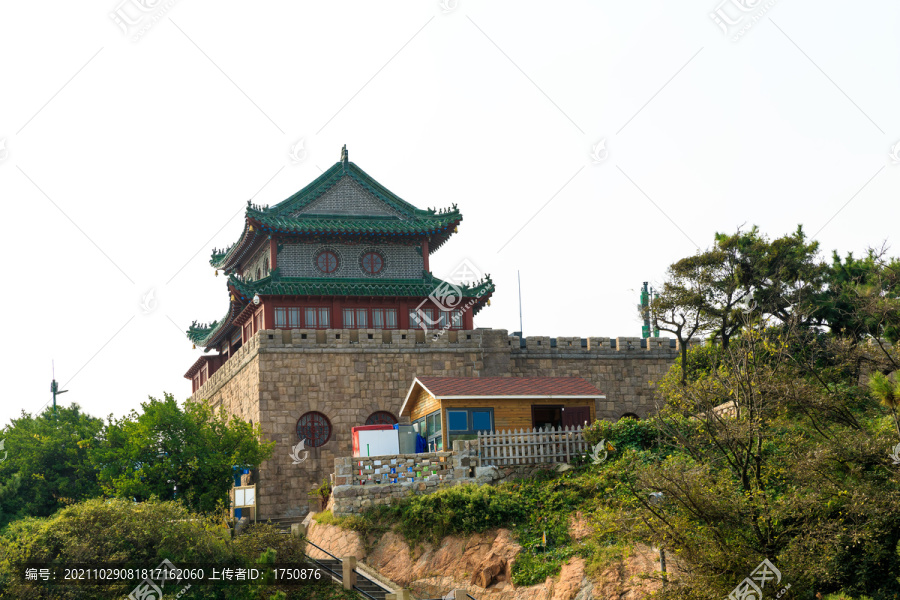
column 326, row 517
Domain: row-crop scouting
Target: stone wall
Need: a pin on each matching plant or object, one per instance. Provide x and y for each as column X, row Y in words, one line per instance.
column 347, row 375
column 363, row 482
column 375, row 471
column 619, row 367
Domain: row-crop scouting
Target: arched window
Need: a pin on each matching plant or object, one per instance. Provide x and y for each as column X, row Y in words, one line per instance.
column 258, row 275
column 314, row 428
column 327, row 261
column 630, row 416
column 266, row 266
column 372, row 263
column 381, row 417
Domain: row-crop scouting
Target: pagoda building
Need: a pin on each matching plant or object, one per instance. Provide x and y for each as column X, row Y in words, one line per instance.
column 342, row 253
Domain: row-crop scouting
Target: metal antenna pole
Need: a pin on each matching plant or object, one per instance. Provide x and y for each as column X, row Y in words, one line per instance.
column 519, row 274
column 54, row 387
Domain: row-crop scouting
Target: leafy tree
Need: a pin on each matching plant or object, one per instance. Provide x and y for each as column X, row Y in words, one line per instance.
column 172, row 451
column 47, row 463
column 777, row 452
column 863, row 297
column 678, row 307
column 785, row 276
column 888, row 393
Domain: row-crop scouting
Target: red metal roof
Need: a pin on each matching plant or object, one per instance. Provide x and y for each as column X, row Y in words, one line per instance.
column 508, row 386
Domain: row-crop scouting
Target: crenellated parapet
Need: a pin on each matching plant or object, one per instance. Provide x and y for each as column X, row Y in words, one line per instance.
column 656, row 346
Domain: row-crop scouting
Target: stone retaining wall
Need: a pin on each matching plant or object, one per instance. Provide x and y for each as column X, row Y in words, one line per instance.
column 363, row 482
column 402, row 468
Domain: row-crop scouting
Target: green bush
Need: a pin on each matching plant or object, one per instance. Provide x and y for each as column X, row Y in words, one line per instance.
column 98, row 532
column 533, row 568
column 624, row 433
column 461, row 509
column 259, row 538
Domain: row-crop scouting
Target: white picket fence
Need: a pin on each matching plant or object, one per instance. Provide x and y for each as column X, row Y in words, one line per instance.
column 538, row 446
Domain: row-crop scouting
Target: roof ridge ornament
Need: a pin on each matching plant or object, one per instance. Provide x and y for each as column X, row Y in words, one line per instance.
column 345, row 158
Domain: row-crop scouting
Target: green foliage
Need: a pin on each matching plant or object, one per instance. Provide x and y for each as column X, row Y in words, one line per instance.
column 260, row 538
column 47, row 462
column 863, row 297
column 98, row 532
column 531, row 569
column 325, row 489
column 538, row 511
column 624, row 433
column 149, row 453
column 778, row 452
column 326, row 517
column 460, row 509
column 885, row 390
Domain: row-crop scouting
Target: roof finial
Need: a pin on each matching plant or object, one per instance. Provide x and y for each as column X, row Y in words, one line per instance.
column 344, row 156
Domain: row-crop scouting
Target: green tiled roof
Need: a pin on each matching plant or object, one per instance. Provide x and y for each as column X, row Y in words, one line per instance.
column 308, row 286
column 200, row 333
column 329, row 178
column 360, row 225
column 437, row 225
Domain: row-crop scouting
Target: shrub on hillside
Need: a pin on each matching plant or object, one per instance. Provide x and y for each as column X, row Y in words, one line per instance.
column 624, row 433
column 98, row 532
column 461, row 509
column 259, row 538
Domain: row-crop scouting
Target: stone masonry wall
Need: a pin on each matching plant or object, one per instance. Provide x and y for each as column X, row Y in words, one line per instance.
column 278, row 376
column 363, row 482
column 624, row 372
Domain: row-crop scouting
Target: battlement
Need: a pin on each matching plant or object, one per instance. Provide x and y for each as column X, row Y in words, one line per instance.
column 593, row 345
column 366, row 339
column 381, row 339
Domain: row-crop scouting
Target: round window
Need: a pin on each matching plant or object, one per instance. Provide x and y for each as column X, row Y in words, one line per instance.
column 381, row 417
column 372, row 263
column 314, row 428
column 327, row 261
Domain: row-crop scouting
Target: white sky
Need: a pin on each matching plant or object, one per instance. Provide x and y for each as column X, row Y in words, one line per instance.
column 125, row 163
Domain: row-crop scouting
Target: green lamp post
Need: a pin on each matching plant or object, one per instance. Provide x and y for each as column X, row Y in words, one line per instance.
column 54, row 389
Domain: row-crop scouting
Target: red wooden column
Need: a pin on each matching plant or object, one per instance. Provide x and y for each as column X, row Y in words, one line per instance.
column 273, row 253
column 337, row 319
column 468, row 319
column 403, row 316
column 425, row 254
column 268, row 309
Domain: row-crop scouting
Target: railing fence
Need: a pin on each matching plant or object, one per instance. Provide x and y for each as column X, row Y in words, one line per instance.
column 538, row 446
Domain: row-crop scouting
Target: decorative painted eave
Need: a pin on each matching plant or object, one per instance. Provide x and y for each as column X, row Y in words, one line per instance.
column 228, row 259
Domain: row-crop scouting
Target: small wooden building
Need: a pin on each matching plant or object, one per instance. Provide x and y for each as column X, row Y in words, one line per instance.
column 444, row 409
